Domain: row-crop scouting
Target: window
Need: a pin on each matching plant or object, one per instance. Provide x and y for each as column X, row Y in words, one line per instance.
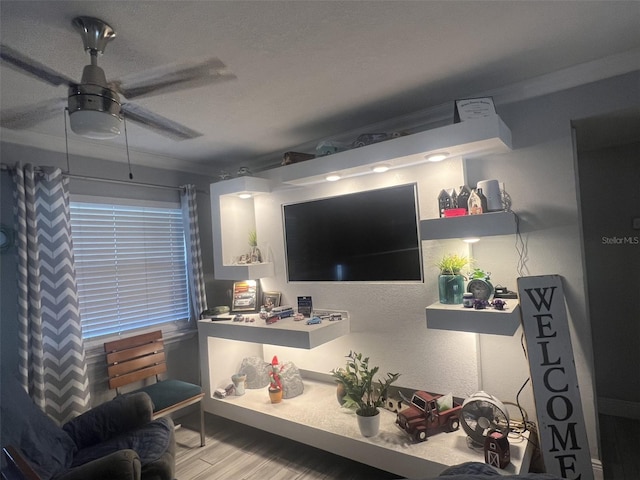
column 130, row 265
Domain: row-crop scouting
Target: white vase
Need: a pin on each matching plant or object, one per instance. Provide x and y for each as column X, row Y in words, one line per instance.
column 369, row 426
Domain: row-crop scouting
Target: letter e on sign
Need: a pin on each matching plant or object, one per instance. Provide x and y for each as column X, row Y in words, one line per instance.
column 563, row 437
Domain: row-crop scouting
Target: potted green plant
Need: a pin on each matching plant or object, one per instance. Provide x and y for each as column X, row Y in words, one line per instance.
column 255, row 255
column 451, row 281
column 363, row 392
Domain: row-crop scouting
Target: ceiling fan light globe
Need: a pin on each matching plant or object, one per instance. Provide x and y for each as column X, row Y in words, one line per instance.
column 94, row 111
column 95, row 124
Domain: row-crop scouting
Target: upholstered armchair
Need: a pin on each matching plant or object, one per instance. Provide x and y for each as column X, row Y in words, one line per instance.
column 116, row 440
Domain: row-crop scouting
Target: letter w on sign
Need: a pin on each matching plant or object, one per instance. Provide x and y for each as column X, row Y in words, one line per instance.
column 563, row 437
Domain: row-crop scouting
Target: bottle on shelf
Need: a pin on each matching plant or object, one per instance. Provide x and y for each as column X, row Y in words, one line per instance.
column 483, row 200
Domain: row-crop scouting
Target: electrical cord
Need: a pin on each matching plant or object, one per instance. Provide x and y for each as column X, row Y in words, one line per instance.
column 521, row 249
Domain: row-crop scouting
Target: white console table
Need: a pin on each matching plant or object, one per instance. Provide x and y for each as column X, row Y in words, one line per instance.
column 315, row 418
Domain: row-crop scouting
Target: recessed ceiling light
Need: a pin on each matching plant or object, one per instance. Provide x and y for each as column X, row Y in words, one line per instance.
column 332, row 177
column 471, row 240
column 380, row 168
column 245, row 195
column 437, row 157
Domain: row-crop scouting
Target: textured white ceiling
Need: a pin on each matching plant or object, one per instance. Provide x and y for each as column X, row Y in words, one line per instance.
column 307, row 70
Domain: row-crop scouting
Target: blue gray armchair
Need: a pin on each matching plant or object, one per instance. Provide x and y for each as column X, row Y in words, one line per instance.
column 116, row 440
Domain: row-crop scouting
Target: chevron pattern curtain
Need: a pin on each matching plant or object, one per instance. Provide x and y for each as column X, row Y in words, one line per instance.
column 194, row 255
column 52, row 362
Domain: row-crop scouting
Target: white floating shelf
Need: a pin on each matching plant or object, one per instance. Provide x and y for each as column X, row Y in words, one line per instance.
column 315, row 418
column 245, row 272
column 441, row 316
column 487, row 224
column 285, row 332
column 236, row 186
column 467, row 139
column 232, row 219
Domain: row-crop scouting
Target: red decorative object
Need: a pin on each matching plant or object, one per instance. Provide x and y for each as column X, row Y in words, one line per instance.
column 455, row 212
column 423, row 417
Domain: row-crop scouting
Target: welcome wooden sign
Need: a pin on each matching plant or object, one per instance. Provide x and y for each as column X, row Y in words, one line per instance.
column 563, row 437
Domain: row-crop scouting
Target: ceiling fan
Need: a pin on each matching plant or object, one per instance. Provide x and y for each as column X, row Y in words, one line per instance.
column 94, row 105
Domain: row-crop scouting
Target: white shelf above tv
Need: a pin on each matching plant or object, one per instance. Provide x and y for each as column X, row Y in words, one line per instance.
column 489, row 321
column 465, row 226
column 232, row 219
column 468, row 139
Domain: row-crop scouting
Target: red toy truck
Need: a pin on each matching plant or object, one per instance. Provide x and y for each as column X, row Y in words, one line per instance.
column 422, row 417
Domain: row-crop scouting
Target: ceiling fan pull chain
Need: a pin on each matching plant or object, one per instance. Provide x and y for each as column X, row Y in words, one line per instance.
column 126, row 143
column 66, row 137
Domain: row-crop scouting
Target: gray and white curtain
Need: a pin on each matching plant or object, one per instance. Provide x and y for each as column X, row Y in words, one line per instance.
column 52, row 364
column 194, row 255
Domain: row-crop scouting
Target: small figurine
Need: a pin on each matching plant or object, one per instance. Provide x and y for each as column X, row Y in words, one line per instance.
column 498, row 304
column 479, row 304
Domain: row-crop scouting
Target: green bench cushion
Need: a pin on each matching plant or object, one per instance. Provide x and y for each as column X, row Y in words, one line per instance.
column 169, row 392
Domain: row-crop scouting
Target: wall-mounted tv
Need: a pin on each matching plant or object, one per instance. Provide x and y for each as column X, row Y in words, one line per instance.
column 369, row 236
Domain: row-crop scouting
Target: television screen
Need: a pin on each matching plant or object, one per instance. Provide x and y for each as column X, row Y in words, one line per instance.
column 365, row 236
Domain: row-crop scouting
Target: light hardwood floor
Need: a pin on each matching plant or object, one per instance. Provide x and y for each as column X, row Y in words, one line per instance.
column 239, row 452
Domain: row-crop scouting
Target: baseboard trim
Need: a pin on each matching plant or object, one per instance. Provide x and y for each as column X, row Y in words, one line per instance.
column 598, row 473
column 619, row 408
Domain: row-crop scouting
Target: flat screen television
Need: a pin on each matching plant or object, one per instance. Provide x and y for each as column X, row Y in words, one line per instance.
column 369, row 236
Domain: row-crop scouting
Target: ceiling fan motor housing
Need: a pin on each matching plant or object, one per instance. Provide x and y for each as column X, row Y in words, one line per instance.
column 94, row 111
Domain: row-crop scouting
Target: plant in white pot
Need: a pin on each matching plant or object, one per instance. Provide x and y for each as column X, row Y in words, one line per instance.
column 363, row 392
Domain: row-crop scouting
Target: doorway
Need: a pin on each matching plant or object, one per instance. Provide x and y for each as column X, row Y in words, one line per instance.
column 608, row 172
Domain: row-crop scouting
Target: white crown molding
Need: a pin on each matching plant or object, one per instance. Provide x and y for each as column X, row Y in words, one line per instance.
column 439, row 115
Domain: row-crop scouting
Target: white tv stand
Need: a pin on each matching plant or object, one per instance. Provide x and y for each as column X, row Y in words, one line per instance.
column 315, row 418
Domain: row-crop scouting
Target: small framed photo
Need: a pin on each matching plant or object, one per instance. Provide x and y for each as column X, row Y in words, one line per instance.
column 271, row 299
column 245, row 296
column 470, row 108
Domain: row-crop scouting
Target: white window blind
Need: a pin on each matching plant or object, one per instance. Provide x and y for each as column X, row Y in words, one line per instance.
column 130, row 266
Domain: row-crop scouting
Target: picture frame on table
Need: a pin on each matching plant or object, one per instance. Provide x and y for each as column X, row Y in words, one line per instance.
column 271, row 299
column 245, row 296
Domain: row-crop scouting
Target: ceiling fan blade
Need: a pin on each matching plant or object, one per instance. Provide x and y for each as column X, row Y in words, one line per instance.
column 158, row 123
column 27, row 65
column 25, row 117
column 173, row 77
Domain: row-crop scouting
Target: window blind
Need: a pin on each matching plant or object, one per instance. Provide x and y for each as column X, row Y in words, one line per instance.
column 130, row 266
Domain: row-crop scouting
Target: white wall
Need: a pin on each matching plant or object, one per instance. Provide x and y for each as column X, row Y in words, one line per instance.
column 388, row 321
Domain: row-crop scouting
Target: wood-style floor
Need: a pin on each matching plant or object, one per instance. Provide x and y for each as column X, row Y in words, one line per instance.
column 239, row 452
